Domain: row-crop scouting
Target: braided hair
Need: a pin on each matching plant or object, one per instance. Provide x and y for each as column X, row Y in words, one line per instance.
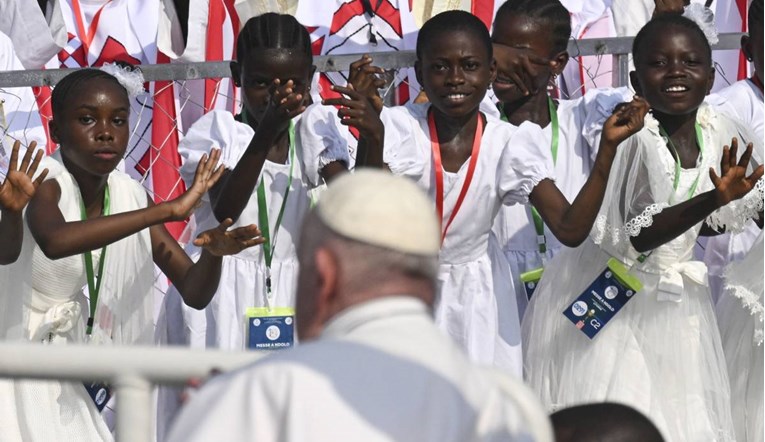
column 663, row 21
column 73, row 81
column 755, row 15
column 273, row 31
column 450, row 22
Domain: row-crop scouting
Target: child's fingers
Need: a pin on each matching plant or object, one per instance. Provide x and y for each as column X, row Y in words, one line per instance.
column 215, row 176
column 348, row 91
column 725, row 160
column 14, row 155
column 40, row 178
column 714, row 178
column 35, row 164
column 225, row 224
column 26, row 160
column 746, row 157
column 756, row 175
column 733, row 152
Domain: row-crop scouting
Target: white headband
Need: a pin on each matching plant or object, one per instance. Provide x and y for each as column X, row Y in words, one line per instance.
column 703, row 17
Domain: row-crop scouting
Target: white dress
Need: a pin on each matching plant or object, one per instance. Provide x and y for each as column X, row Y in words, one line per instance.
column 514, row 226
column 475, row 303
column 661, row 353
column 741, row 100
column 242, row 282
column 739, row 314
column 42, row 300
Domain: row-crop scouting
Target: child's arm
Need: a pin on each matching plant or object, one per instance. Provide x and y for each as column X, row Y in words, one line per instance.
column 230, row 197
column 58, row 238
column 731, row 185
column 15, row 192
column 571, row 223
column 197, row 282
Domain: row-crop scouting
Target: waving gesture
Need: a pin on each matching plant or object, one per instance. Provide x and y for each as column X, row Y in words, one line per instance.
column 733, row 183
column 19, row 185
column 284, row 105
column 364, row 78
column 627, row 119
column 206, row 176
column 220, row 241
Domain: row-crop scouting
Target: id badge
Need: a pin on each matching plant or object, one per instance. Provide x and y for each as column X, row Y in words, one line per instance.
column 99, row 392
column 603, row 299
column 270, row 328
column 530, row 281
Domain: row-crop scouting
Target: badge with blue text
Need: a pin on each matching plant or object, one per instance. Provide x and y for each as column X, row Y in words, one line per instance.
column 600, row 302
column 530, row 281
column 99, row 392
column 270, row 328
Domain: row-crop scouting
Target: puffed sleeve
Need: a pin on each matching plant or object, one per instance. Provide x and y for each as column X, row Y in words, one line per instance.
column 323, row 140
column 526, row 160
column 597, row 105
column 401, row 153
column 216, row 129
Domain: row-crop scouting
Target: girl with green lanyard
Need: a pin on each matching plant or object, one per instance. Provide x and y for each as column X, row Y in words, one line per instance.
column 660, row 350
column 530, row 38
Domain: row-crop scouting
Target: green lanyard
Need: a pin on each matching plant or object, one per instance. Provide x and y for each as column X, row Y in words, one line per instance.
column 270, row 246
column 676, row 182
column 539, row 225
column 94, row 284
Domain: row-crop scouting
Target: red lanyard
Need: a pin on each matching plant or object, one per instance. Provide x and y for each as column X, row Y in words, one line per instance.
column 86, row 37
column 439, row 170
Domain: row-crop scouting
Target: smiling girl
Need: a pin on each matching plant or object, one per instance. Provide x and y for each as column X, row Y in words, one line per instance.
column 661, row 352
column 470, row 165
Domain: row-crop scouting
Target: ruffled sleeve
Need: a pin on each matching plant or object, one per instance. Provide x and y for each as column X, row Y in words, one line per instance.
column 526, row 160
column 401, row 153
column 597, row 105
column 323, row 140
column 743, row 280
column 216, row 129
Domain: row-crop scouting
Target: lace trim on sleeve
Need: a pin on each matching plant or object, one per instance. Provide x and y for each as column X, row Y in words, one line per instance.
column 602, row 230
column 734, row 216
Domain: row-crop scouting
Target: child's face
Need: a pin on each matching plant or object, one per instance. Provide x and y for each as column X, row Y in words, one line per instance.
column 526, row 35
column 93, row 128
column 261, row 67
column 455, row 72
column 674, row 72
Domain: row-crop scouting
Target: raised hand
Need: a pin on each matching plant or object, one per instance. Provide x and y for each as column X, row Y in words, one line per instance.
column 627, row 119
column 19, row 185
column 221, row 242
column 284, row 105
column 519, row 67
column 365, row 78
column 357, row 111
column 206, row 176
column 733, row 183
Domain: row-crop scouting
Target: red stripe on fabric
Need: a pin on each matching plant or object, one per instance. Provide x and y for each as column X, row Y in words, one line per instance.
column 743, row 63
column 392, row 16
column 42, row 96
column 214, row 49
column 484, row 10
column 344, row 14
column 166, row 162
column 403, row 92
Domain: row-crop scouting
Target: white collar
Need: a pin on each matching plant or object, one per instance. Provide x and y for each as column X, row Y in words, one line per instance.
column 353, row 317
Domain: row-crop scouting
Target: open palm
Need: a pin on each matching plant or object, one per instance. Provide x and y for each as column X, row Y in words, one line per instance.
column 19, row 185
column 733, row 183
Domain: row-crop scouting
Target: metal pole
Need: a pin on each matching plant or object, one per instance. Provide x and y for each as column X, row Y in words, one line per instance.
column 134, row 409
column 621, row 70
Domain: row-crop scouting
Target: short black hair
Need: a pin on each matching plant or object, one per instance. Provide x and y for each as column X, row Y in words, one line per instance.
column 450, row 22
column 71, row 82
column 548, row 12
column 273, row 31
column 653, row 26
column 604, row 421
column 755, row 15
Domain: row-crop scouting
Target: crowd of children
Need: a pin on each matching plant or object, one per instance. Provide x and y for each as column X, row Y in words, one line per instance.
column 555, row 214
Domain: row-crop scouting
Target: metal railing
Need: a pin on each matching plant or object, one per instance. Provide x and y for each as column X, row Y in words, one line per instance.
column 132, row 371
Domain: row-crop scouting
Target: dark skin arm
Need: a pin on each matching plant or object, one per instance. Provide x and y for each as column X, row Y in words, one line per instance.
column 230, row 197
column 15, row 192
column 571, row 223
column 731, row 185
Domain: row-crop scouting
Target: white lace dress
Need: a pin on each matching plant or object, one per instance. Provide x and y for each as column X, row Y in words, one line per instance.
column 42, row 300
column 661, row 353
column 739, row 313
column 476, row 300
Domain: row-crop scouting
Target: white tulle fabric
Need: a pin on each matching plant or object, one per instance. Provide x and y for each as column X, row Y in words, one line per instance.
column 740, row 315
column 661, row 353
column 476, row 300
column 43, row 300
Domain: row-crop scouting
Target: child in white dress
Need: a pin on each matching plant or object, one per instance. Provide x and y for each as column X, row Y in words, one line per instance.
column 661, row 352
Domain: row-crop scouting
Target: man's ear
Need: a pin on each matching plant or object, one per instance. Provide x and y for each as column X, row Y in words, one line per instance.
column 235, row 76
column 328, row 278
